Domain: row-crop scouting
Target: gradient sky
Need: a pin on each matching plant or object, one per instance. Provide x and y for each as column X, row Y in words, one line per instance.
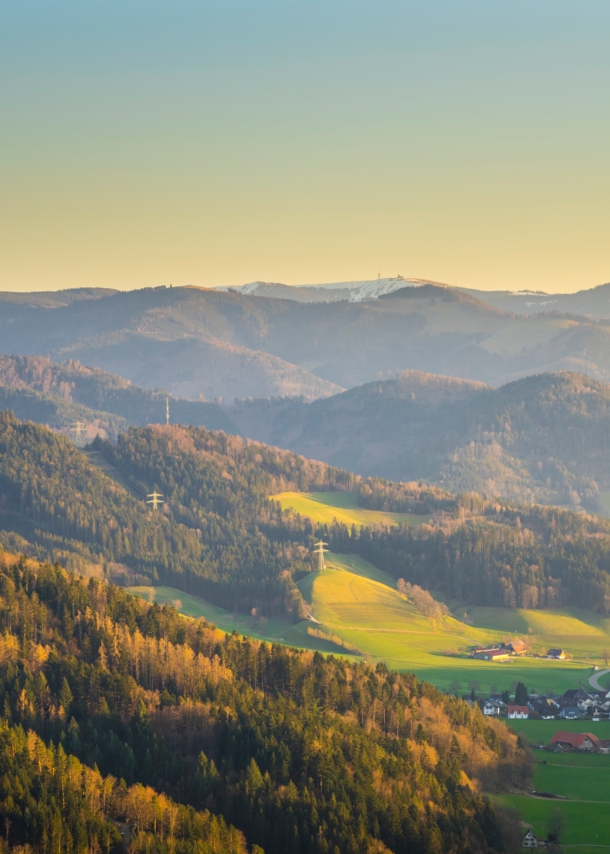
column 216, row 143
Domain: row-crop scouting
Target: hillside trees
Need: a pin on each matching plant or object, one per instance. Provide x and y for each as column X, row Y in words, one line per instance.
column 300, row 752
column 220, row 535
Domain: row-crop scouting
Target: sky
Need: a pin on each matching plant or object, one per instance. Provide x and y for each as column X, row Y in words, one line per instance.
column 216, row 143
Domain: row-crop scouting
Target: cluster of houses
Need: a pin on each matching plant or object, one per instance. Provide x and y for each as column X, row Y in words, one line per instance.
column 505, row 651
column 575, row 704
column 501, row 652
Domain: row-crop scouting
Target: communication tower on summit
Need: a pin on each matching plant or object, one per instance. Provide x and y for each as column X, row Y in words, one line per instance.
column 167, row 410
column 319, row 552
column 79, row 429
column 154, row 499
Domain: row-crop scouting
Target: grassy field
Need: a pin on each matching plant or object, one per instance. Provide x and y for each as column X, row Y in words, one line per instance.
column 324, row 507
column 360, row 604
column 585, row 783
column 276, row 630
column 584, row 780
column 541, row 732
column 586, row 824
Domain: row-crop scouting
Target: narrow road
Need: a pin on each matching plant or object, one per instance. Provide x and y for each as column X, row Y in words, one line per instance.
column 593, row 679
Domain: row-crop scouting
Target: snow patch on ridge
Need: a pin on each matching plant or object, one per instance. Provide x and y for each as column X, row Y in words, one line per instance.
column 354, row 291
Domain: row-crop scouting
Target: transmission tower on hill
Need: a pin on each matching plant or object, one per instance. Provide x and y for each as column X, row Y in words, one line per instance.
column 154, row 499
column 319, row 552
column 167, row 410
column 79, row 428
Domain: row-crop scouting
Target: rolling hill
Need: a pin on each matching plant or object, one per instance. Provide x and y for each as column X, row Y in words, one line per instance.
column 591, row 302
column 226, row 344
column 221, row 534
column 541, row 438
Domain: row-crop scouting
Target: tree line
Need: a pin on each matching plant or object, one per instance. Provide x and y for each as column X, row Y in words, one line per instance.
column 190, row 737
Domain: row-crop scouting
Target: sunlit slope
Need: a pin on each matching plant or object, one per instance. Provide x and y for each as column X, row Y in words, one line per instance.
column 581, row 633
column 274, row 630
column 324, row 507
column 359, row 603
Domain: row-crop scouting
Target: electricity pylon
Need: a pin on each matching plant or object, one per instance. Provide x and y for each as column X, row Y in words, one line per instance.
column 319, row 552
column 167, row 410
column 79, row 427
column 154, row 499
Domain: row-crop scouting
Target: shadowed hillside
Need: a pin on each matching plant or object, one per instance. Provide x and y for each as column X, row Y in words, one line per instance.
column 221, row 344
column 541, row 438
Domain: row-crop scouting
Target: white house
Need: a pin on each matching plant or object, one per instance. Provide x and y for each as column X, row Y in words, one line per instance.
column 519, row 713
column 492, row 707
column 529, row 840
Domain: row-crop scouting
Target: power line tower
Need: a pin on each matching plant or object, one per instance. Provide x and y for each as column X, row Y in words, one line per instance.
column 319, row 551
column 154, row 499
column 167, row 410
column 79, row 428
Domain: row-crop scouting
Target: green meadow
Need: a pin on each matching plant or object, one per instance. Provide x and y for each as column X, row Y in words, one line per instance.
column 583, row 780
column 325, row 507
column 360, row 605
column 276, row 630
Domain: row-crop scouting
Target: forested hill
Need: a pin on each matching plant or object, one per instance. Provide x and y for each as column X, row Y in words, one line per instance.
column 37, row 389
column 119, row 715
column 540, row 439
column 261, row 347
column 219, row 536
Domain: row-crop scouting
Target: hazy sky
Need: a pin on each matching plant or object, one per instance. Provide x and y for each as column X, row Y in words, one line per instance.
column 215, row 143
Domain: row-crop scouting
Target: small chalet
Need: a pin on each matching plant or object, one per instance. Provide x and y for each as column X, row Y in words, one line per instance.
column 517, row 647
column 496, row 654
column 585, row 741
column 529, row 840
column 518, row 712
column 556, row 653
column 492, row 707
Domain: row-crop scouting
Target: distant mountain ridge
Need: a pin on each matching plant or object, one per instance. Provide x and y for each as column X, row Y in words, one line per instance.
column 353, row 291
column 542, row 438
column 593, row 303
column 212, row 344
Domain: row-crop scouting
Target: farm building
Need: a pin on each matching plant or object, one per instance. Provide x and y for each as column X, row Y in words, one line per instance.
column 555, row 653
column 529, row 840
column 585, row 741
column 518, row 712
column 518, row 647
column 496, row 654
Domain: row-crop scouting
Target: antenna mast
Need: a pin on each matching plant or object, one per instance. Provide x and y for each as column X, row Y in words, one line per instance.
column 154, row 498
column 319, row 552
column 79, row 427
column 167, row 410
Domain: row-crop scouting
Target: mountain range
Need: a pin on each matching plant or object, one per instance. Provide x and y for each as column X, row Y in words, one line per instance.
column 205, row 343
column 542, row 438
column 592, row 303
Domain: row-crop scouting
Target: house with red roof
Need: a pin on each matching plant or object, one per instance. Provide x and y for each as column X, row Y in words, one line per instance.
column 518, row 712
column 584, row 741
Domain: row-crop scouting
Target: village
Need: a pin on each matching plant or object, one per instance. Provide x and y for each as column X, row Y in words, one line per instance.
column 574, row 704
